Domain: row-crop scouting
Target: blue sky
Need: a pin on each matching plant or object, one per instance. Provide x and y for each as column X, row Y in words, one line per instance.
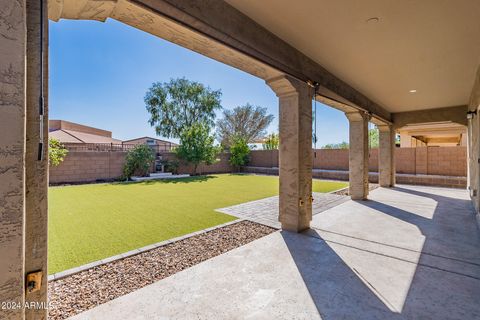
column 99, row 73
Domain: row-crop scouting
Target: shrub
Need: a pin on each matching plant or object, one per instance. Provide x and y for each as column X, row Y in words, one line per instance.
column 239, row 152
column 197, row 146
column 138, row 161
column 56, row 152
column 271, row 142
column 171, row 166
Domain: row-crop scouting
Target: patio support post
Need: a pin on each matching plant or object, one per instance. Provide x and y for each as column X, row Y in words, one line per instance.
column 358, row 154
column 36, row 169
column 12, row 155
column 386, row 156
column 295, row 152
column 23, row 175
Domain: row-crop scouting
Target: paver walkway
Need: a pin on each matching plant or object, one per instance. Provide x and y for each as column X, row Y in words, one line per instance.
column 409, row 252
column 265, row 211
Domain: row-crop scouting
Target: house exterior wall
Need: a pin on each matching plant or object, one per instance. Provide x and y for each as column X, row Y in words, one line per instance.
column 23, row 175
column 12, row 152
column 162, row 145
column 474, row 145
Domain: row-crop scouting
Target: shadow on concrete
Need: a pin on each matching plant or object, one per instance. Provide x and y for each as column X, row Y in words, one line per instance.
column 444, row 283
column 337, row 291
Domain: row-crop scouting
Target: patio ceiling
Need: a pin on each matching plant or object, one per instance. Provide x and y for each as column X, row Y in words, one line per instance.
column 429, row 46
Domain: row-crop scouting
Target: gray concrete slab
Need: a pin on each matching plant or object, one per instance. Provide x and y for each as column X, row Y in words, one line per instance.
column 408, row 253
column 265, row 211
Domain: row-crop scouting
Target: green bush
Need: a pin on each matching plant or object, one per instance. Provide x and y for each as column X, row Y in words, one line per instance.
column 171, row 165
column 138, row 162
column 239, row 152
column 271, row 142
column 56, row 152
column 197, row 146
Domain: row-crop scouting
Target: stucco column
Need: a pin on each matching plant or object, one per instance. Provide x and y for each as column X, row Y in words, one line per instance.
column 24, row 178
column 36, row 171
column 386, row 156
column 12, row 155
column 295, row 152
column 358, row 155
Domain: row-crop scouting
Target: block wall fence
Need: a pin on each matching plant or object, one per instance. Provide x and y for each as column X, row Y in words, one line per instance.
column 90, row 166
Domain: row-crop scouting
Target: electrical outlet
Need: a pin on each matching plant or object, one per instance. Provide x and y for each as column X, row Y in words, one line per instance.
column 34, row 281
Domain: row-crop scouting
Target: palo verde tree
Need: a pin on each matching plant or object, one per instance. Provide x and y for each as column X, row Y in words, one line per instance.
column 247, row 122
column 197, row 146
column 179, row 104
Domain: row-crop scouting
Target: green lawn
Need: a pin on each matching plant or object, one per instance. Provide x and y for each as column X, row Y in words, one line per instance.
column 91, row 222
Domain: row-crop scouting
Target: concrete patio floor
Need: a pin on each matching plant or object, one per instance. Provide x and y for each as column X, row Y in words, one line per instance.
column 408, row 253
column 265, row 211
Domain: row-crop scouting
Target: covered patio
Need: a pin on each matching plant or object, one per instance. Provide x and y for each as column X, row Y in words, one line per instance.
column 407, row 253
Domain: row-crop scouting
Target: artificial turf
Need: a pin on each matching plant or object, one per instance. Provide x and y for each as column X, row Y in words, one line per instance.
column 95, row 221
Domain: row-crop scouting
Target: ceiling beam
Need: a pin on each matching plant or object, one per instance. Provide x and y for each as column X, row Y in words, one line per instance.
column 223, row 23
column 456, row 114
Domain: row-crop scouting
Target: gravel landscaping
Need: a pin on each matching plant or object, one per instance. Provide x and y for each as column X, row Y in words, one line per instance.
column 87, row 289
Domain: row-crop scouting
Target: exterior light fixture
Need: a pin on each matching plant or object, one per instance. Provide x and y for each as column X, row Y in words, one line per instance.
column 413, row 91
column 372, row 20
column 471, row 114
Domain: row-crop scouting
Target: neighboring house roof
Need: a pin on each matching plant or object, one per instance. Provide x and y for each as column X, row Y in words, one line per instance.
column 70, row 132
column 63, row 137
column 173, row 143
column 70, row 136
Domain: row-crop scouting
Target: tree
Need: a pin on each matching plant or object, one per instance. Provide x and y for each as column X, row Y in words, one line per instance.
column 138, row 161
column 247, row 122
column 239, row 152
column 271, row 142
column 197, row 146
column 179, row 104
column 56, row 152
column 342, row 145
column 373, row 137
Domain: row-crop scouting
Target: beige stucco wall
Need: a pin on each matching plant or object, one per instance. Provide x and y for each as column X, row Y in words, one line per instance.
column 474, row 144
column 36, row 201
column 24, row 178
column 12, row 153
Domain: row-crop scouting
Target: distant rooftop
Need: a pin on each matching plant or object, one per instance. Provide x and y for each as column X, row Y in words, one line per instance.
column 70, row 132
column 144, row 140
